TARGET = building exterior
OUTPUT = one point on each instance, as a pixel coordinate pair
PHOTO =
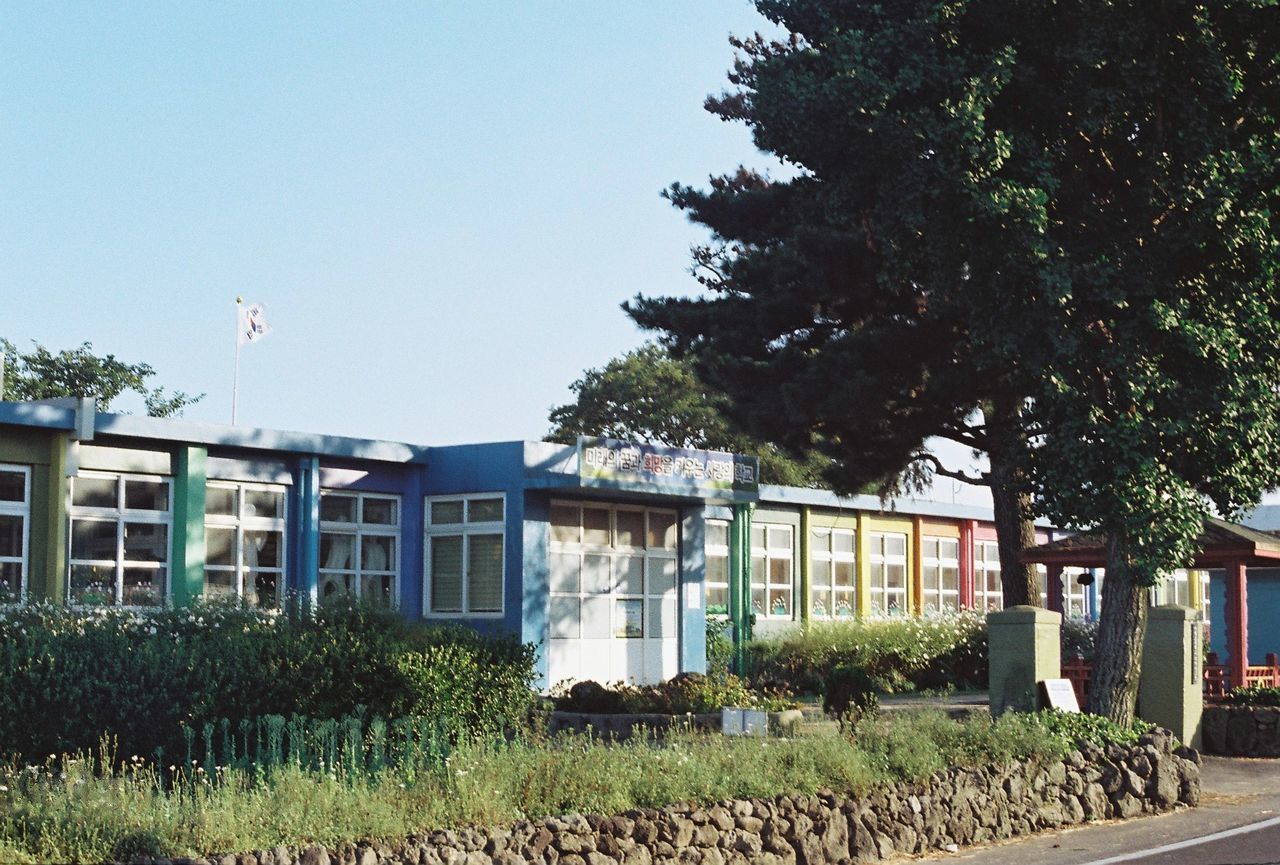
(608, 556)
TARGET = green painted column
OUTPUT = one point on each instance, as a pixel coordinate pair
(740, 584)
(189, 475)
(50, 489)
(803, 601)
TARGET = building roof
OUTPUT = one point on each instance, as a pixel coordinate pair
(1219, 543)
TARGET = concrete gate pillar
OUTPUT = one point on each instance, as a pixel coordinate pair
(1171, 688)
(1024, 649)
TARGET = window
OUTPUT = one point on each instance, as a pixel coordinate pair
(1074, 594)
(888, 573)
(465, 562)
(119, 540)
(772, 558)
(940, 569)
(244, 542)
(832, 576)
(988, 591)
(614, 571)
(15, 519)
(717, 582)
(359, 545)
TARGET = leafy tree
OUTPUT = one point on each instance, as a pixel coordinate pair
(1061, 215)
(42, 374)
(647, 395)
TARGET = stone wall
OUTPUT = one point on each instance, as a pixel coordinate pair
(1241, 731)
(950, 809)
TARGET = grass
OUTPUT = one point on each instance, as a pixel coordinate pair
(89, 808)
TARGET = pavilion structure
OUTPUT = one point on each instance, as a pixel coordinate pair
(1231, 547)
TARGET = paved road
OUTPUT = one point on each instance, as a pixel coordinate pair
(1236, 793)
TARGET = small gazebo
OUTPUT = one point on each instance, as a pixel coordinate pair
(1231, 547)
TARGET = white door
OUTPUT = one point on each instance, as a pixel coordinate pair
(613, 612)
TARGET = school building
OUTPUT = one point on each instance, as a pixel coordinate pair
(609, 556)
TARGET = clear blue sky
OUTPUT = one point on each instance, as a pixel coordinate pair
(442, 204)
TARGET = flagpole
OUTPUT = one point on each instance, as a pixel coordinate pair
(235, 382)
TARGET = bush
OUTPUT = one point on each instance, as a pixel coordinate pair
(1074, 728)
(68, 677)
(898, 654)
(1254, 695)
(684, 694)
(1078, 637)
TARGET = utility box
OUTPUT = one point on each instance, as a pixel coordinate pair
(1024, 651)
(744, 722)
(1171, 687)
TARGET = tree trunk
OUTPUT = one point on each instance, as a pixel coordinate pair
(1117, 662)
(1011, 501)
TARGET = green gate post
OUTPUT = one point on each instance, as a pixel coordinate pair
(740, 585)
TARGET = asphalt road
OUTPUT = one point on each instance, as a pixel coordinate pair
(1235, 794)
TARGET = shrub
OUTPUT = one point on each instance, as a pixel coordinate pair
(898, 654)
(67, 677)
(1073, 728)
(1078, 637)
(1254, 695)
(683, 694)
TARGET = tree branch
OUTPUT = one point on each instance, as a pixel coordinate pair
(982, 480)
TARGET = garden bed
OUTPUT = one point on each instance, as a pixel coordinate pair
(621, 726)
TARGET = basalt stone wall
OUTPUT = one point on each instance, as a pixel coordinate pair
(1241, 731)
(955, 807)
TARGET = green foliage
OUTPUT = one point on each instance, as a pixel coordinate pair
(1073, 728)
(90, 808)
(719, 646)
(1078, 638)
(897, 654)
(139, 678)
(683, 694)
(1254, 695)
(648, 396)
(41, 374)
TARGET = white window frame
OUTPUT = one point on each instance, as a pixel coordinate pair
(120, 516)
(830, 593)
(359, 530)
(20, 509)
(464, 530)
(769, 554)
(932, 564)
(240, 524)
(880, 561)
(717, 551)
(986, 561)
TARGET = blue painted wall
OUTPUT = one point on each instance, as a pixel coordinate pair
(693, 608)
(1264, 614)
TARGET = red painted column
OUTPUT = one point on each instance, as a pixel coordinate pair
(1237, 620)
(1055, 588)
(966, 564)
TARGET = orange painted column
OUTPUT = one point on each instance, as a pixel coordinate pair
(917, 567)
(1237, 620)
(966, 564)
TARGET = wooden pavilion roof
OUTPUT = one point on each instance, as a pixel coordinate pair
(1219, 544)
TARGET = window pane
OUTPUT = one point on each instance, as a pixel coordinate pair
(146, 542)
(219, 583)
(717, 535)
(717, 600)
(780, 572)
(94, 493)
(566, 618)
(662, 576)
(595, 618)
(220, 546)
(93, 539)
(842, 542)
(821, 572)
(895, 576)
(757, 602)
(333, 585)
(779, 538)
(595, 575)
(485, 587)
(143, 587)
(564, 524)
(10, 535)
(565, 568)
(13, 486)
(484, 511)
(844, 574)
(628, 622)
(595, 527)
(895, 545)
(844, 605)
(10, 582)
(631, 575)
(262, 550)
(378, 589)
(93, 585)
(757, 570)
(779, 602)
(146, 496)
(377, 553)
(630, 528)
(446, 513)
(266, 590)
(717, 569)
(950, 579)
(757, 537)
(264, 504)
(220, 501)
(337, 551)
(446, 575)
(818, 605)
(820, 541)
(381, 512)
(662, 531)
(949, 549)
(335, 508)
